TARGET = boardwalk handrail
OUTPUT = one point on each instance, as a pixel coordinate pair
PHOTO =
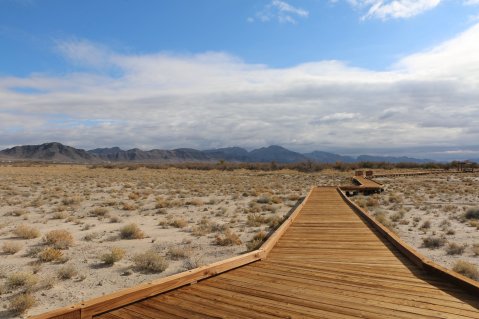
(407, 250)
(92, 307)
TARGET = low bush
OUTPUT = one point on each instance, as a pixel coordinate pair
(472, 213)
(455, 249)
(11, 248)
(433, 242)
(467, 269)
(26, 232)
(59, 239)
(67, 272)
(21, 303)
(150, 262)
(229, 238)
(115, 254)
(22, 280)
(50, 254)
(131, 231)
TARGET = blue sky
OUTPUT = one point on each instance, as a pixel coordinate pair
(214, 73)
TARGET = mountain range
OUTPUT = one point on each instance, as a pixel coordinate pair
(57, 152)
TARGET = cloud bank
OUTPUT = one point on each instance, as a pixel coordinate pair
(213, 99)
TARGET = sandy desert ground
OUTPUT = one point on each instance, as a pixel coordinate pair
(436, 214)
(70, 233)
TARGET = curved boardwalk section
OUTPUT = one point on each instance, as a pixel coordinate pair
(328, 264)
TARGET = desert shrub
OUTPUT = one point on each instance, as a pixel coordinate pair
(205, 227)
(128, 206)
(195, 202)
(74, 200)
(50, 254)
(255, 220)
(21, 280)
(18, 212)
(150, 262)
(256, 241)
(99, 212)
(21, 303)
(229, 238)
(179, 223)
(475, 249)
(472, 213)
(177, 252)
(372, 202)
(397, 216)
(60, 215)
(455, 249)
(134, 196)
(26, 232)
(67, 272)
(11, 248)
(264, 199)
(115, 219)
(467, 269)
(131, 231)
(115, 254)
(433, 242)
(382, 218)
(59, 239)
(192, 263)
(426, 225)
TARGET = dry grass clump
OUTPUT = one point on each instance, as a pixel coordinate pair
(264, 199)
(467, 269)
(26, 232)
(131, 231)
(475, 249)
(21, 303)
(115, 254)
(128, 206)
(99, 212)
(18, 212)
(179, 223)
(11, 248)
(74, 200)
(177, 252)
(433, 242)
(229, 238)
(192, 263)
(22, 280)
(256, 241)
(382, 218)
(205, 226)
(59, 239)
(50, 254)
(60, 215)
(150, 262)
(455, 249)
(472, 213)
(67, 272)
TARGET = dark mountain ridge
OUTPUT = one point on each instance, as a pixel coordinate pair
(57, 152)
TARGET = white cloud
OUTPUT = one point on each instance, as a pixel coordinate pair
(280, 11)
(215, 99)
(471, 2)
(394, 9)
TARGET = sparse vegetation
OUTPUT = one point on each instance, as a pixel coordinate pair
(467, 269)
(131, 231)
(228, 238)
(150, 262)
(433, 242)
(21, 303)
(115, 254)
(11, 248)
(22, 280)
(67, 272)
(472, 213)
(59, 239)
(455, 249)
(26, 232)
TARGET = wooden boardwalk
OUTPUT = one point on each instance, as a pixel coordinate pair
(329, 263)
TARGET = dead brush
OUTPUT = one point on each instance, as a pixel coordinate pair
(21, 303)
(467, 269)
(114, 255)
(177, 252)
(256, 241)
(131, 231)
(26, 232)
(150, 262)
(59, 239)
(11, 248)
(228, 238)
(179, 223)
(23, 280)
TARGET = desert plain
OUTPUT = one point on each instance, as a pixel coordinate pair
(73, 232)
